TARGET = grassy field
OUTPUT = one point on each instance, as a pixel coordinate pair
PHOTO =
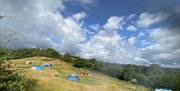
(54, 79)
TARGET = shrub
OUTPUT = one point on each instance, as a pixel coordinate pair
(11, 80)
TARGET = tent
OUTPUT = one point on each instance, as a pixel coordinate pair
(47, 65)
(83, 74)
(73, 77)
(28, 62)
(38, 68)
(157, 89)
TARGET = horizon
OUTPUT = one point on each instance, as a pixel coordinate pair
(140, 32)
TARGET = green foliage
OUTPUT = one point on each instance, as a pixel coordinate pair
(79, 62)
(176, 84)
(21, 53)
(28, 52)
(108, 68)
(128, 73)
(153, 76)
(4, 52)
(51, 53)
(11, 80)
(68, 58)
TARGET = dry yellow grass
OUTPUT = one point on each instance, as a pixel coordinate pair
(47, 81)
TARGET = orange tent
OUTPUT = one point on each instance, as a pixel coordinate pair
(83, 74)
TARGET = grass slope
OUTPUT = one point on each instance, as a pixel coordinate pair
(54, 79)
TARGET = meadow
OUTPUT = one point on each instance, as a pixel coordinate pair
(54, 79)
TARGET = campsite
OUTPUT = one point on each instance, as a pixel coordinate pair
(55, 78)
(89, 45)
(33, 69)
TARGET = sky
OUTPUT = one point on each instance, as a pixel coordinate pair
(140, 32)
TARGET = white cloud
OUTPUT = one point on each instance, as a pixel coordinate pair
(131, 16)
(147, 19)
(132, 41)
(131, 28)
(145, 42)
(141, 35)
(79, 16)
(95, 27)
(38, 23)
(86, 1)
(113, 23)
(165, 49)
(107, 45)
(83, 2)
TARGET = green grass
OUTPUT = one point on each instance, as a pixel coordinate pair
(54, 79)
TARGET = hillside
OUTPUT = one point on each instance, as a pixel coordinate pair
(54, 79)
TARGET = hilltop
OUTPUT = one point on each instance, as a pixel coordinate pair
(54, 79)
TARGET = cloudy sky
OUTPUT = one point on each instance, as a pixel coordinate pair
(138, 32)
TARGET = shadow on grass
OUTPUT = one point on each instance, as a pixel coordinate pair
(31, 85)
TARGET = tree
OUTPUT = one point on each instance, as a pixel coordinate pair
(128, 73)
(51, 53)
(68, 58)
(10, 80)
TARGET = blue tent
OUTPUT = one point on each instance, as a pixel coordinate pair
(47, 65)
(157, 89)
(73, 77)
(39, 68)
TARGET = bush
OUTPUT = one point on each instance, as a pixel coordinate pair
(11, 80)
(79, 64)
(68, 58)
(86, 63)
(51, 53)
(134, 81)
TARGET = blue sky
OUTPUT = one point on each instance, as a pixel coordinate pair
(100, 10)
(140, 32)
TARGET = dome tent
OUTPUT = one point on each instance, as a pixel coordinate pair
(160, 89)
(38, 68)
(73, 77)
(47, 65)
